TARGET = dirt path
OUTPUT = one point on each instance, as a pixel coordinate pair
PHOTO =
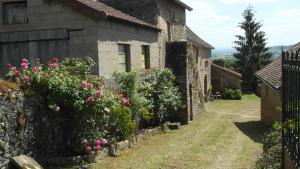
(227, 136)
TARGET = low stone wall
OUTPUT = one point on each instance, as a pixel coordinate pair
(24, 130)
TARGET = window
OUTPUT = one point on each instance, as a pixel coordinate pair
(15, 13)
(206, 64)
(123, 58)
(145, 60)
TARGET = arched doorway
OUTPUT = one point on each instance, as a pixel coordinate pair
(205, 86)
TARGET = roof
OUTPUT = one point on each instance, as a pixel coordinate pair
(194, 38)
(234, 73)
(183, 5)
(295, 48)
(272, 74)
(100, 10)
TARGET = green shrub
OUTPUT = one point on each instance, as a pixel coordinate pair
(158, 86)
(271, 158)
(129, 84)
(232, 94)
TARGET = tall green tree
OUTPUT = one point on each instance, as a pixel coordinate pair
(252, 53)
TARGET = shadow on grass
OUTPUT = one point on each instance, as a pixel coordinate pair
(253, 129)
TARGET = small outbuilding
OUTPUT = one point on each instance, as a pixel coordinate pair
(223, 78)
(270, 91)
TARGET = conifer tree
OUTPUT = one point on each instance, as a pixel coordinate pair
(252, 53)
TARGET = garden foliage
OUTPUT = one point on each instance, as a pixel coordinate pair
(271, 158)
(94, 112)
(232, 94)
(154, 95)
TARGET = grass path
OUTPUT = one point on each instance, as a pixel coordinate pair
(226, 136)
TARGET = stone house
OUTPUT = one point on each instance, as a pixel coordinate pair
(270, 91)
(77, 28)
(223, 78)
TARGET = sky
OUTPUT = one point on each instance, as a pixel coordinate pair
(216, 21)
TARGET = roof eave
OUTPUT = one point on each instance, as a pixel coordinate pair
(135, 23)
(183, 5)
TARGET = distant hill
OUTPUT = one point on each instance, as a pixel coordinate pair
(228, 52)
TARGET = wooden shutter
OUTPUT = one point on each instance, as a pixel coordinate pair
(15, 13)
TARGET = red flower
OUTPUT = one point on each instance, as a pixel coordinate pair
(35, 69)
(90, 100)
(53, 65)
(17, 73)
(55, 60)
(24, 65)
(125, 101)
(26, 78)
(99, 93)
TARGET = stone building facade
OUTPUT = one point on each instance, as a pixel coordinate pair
(168, 15)
(202, 53)
(223, 78)
(270, 91)
(80, 28)
(180, 58)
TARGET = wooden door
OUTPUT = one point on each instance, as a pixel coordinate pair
(43, 44)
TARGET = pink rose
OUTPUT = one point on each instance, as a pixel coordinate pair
(26, 78)
(37, 60)
(85, 142)
(25, 60)
(97, 148)
(57, 108)
(55, 60)
(24, 65)
(124, 101)
(84, 84)
(35, 69)
(98, 142)
(88, 149)
(104, 141)
(89, 85)
(90, 100)
(99, 93)
(17, 73)
(53, 65)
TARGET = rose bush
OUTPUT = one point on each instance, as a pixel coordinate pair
(90, 109)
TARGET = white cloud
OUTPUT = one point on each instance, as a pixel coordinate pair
(290, 13)
(209, 23)
(246, 1)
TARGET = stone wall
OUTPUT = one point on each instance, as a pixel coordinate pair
(270, 102)
(180, 59)
(204, 68)
(26, 130)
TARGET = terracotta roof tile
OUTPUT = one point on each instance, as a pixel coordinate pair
(272, 74)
